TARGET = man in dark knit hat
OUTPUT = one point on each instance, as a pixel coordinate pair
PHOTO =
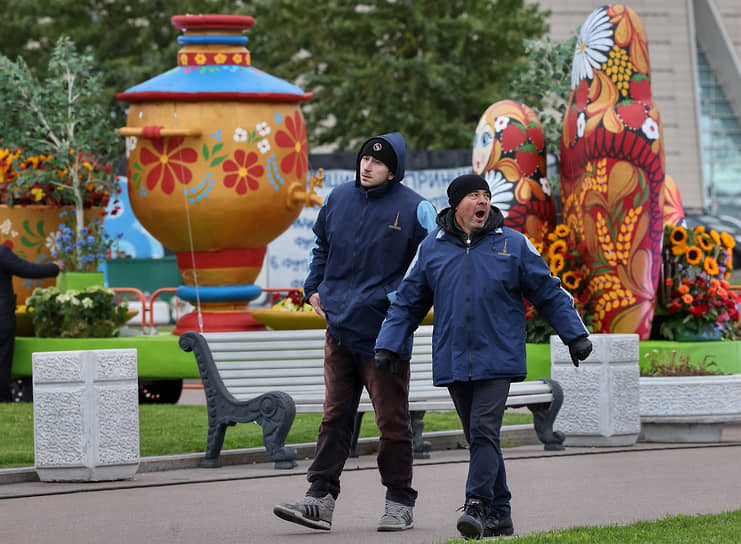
(366, 235)
(475, 271)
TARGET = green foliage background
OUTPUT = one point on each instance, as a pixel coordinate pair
(424, 67)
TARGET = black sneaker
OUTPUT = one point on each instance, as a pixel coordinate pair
(471, 523)
(498, 526)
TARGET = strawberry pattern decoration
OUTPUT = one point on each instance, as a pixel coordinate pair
(509, 151)
(612, 169)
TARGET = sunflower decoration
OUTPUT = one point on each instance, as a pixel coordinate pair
(561, 250)
(695, 298)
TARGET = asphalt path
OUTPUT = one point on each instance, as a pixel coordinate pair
(233, 504)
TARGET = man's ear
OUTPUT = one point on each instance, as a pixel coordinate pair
(391, 176)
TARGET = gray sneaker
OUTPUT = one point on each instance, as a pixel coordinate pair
(309, 511)
(396, 517)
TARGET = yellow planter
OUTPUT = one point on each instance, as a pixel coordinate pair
(31, 232)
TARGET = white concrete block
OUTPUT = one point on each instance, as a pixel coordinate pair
(86, 415)
(601, 396)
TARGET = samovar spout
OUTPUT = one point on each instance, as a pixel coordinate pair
(298, 195)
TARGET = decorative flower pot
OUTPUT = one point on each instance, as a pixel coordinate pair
(217, 163)
(31, 232)
(688, 408)
(79, 280)
(707, 332)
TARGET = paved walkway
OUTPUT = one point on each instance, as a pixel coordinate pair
(233, 504)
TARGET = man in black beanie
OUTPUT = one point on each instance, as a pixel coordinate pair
(475, 271)
(366, 235)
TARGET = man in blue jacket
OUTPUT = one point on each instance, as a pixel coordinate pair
(12, 265)
(366, 235)
(476, 272)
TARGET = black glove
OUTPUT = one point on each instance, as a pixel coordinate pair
(579, 349)
(386, 360)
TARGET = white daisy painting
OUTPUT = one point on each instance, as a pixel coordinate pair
(595, 41)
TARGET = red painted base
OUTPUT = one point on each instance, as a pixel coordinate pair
(218, 322)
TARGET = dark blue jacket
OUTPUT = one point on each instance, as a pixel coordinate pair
(12, 265)
(477, 292)
(364, 242)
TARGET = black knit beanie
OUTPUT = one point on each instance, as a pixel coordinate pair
(380, 149)
(463, 185)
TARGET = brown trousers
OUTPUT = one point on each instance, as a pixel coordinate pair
(345, 374)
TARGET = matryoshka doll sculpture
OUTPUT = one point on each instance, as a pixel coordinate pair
(612, 169)
(217, 162)
(509, 151)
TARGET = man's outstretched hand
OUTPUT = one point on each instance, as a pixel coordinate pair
(386, 360)
(579, 349)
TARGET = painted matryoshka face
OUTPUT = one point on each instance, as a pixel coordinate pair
(483, 143)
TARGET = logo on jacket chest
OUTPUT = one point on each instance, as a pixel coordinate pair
(502, 251)
(395, 224)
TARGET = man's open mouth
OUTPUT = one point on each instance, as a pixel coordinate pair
(480, 214)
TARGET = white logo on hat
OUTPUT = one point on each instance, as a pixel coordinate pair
(377, 146)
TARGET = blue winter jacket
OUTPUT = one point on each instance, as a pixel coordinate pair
(364, 242)
(477, 292)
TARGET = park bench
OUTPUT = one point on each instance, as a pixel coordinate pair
(268, 376)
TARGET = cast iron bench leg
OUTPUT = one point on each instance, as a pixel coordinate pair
(545, 415)
(421, 447)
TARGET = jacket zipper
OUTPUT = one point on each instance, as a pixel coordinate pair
(468, 305)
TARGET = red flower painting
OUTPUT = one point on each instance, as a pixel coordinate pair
(169, 161)
(294, 138)
(243, 172)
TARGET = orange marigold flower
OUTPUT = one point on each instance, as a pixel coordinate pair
(669, 282)
(687, 299)
(683, 289)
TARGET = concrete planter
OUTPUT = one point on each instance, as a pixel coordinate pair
(600, 406)
(86, 415)
(688, 408)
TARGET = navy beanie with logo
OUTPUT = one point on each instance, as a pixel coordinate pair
(463, 185)
(380, 149)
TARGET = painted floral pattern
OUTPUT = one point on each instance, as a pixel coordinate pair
(612, 169)
(167, 159)
(294, 138)
(243, 172)
(509, 151)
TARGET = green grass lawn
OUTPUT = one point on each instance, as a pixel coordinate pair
(718, 529)
(166, 429)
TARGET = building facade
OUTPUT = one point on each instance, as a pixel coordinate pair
(694, 48)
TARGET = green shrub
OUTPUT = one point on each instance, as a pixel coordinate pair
(90, 313)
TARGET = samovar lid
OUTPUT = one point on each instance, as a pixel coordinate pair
(214, 65)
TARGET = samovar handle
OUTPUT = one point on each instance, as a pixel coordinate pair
(156, 132)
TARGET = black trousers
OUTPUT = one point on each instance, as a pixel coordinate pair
(7, 344)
